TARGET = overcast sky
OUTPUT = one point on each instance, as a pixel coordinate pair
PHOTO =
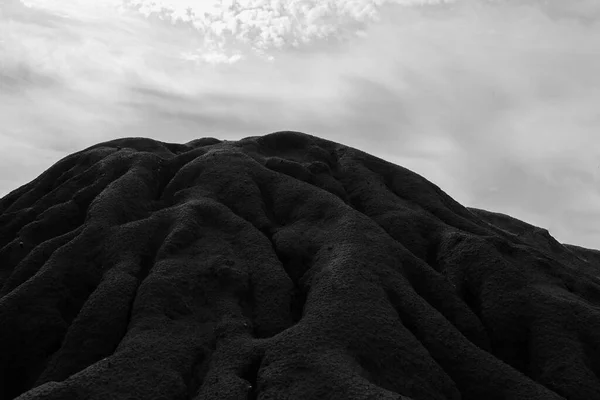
(497, 102)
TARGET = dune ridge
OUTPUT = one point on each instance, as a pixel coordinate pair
(282, 266)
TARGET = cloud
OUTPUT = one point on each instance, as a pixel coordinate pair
(494, 101)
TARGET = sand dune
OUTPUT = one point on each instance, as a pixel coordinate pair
(283, 266)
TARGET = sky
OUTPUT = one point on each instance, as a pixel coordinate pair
(495, 101)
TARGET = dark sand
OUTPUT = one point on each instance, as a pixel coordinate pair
(281, 267)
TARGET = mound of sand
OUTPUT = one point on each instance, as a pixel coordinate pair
(283, 266)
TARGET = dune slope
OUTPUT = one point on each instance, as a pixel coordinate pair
(283, 266)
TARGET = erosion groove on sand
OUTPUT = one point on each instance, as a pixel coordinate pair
(282, 266)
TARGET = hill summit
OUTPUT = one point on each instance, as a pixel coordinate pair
(283, 266)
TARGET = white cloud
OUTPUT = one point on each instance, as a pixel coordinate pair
(265, 24)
